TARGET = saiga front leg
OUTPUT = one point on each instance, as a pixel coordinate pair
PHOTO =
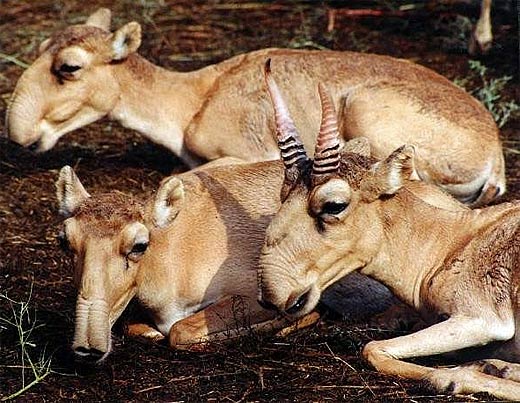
(230, 317)
(450, 335)
(144, 331)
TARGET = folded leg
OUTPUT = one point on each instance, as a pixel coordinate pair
(451, 335)
(226, 319)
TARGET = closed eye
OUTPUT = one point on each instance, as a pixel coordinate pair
(66, 72)
(68, 68)
(136, 252)
(139, 248)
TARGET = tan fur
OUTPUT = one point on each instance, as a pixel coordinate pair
(107, 213)
(197, 279)
(458, 268)
(223, 109)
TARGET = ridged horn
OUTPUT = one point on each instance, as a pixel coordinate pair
(327, 151)
(289, 142)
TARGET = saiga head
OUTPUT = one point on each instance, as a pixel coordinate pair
(110, 236)
(107, 237)
(330, 221)
(71, 83)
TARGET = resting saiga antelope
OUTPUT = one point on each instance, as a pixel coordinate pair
(459, 268)
(189, 255)
(85, 72)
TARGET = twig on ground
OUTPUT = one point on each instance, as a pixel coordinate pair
(14, 60)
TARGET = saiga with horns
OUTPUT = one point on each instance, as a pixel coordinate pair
(459, 268)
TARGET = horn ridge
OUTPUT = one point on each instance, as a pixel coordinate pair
(326, 160)
(286, 142)
(330, 149)
(325, 171)
(291, 162)
(327, 165)
(289, 146)
(293, 153)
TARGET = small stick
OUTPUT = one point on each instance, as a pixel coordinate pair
(14, 60)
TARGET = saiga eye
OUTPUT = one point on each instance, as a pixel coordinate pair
(68, 68)
(139, 248)
(333, 208)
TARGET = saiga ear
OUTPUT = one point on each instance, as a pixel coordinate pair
(100, 18)
(388, 176)
(69, 191)
(126, 40)
(44, 45)
(168, 201)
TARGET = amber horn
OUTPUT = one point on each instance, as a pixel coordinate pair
(289, 142)
(327, 151)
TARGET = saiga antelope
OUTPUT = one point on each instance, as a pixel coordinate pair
(85, 72)
(459, 268)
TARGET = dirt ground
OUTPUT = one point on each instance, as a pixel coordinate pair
(321, 363)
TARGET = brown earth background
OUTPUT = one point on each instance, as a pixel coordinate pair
(321, 363)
